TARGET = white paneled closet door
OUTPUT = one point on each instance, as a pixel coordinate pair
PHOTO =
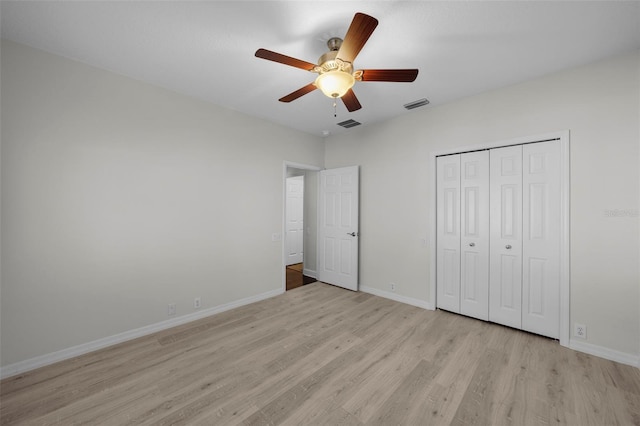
(448, 235)
(474, 230)
(498, 235)
(505, 270)
(541, 238)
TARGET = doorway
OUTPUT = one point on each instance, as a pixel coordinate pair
(294, 220)
(299, 225)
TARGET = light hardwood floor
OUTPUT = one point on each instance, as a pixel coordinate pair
(322, 355)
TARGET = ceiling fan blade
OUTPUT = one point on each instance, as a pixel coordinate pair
(284, 59)
(357, 35)
(300, 92)
(351, 101)
(401, 76)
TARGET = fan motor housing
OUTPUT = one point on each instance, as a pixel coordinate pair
(328, 62)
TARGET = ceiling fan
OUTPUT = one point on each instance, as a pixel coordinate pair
(336, 75)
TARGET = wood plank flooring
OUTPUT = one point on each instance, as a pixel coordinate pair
(295, 276)
(322, 355)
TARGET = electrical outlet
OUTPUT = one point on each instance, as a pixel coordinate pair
(197, 303)
(392, 286)
(580, 330)
(171, 309)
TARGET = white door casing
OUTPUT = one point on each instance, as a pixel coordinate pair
(505, 271)
(541, 238)
(338, 227)
(448, 233)
(474, 231)
(294, 220)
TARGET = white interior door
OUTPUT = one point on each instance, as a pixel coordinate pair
(448, 235)
(294, 219)
(505, 270)
(338, 227)
(541, 239)
(474, 230)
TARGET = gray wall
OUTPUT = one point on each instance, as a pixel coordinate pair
(119, 197)
(599, 105)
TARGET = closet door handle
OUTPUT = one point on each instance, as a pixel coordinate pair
(508, 246)
(472, 244)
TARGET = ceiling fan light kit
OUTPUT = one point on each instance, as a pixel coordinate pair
(336, 76)
(335, 84)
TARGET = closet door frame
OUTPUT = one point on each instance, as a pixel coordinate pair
(561, 137)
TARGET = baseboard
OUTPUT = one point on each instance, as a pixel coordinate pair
(606, 353)
(310, 273)
(398, 298)
(43, 360)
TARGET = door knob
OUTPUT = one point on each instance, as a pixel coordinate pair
(508, 246)
(472, 244)
(353, 234)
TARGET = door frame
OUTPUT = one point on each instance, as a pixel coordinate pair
(283, 248)
(565, 230)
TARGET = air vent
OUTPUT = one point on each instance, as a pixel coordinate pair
(416, 104)
(349, 123)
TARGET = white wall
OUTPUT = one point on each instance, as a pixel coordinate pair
(119, 197)
(599, 104)
(310, 222)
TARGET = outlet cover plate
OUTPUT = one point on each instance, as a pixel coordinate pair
(580, 330)
(171, 309)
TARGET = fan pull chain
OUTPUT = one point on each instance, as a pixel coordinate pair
(335, 112)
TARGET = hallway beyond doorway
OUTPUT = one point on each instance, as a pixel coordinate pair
(295, 277)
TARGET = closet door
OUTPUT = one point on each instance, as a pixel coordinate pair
(448, 235)
(505, 269)
(541, 243)
(474, 230)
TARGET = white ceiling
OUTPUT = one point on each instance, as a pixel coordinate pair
(206, 49)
